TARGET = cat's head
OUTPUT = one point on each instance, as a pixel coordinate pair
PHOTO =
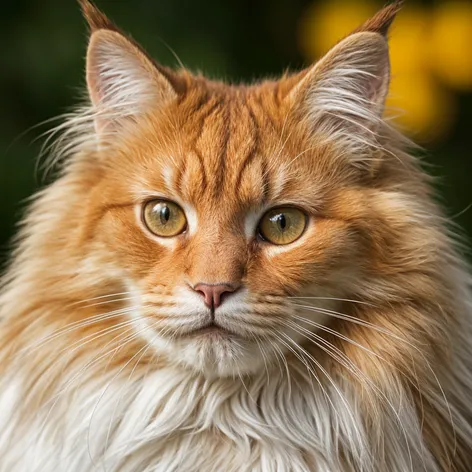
(218, 205)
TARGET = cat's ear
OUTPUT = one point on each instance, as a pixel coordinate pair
(343, 95)
(123, 82)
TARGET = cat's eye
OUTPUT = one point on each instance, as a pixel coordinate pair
(164, 218)
(282, 225)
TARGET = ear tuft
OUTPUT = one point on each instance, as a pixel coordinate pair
(342, 97)
(123, 81)
(380, 23)
(95, 18)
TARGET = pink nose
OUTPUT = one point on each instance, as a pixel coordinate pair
(213, 294)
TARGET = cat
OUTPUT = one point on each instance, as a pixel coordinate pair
(230, 278)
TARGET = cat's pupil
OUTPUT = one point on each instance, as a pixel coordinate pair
(282, 221)
(165, 215)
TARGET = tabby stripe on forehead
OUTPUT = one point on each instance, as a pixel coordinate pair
(210, 106)
(208, 109)
(204, 182)
(252, 152)
(213, 111)
(267, 115)
(266, 187)
(269, 189)
(220, 175)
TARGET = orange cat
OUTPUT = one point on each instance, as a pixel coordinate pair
(235, 278)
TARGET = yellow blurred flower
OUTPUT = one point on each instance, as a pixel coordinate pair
(451, 43)
(430, 56)
(324, 24)
(408, 48)
(420, 106)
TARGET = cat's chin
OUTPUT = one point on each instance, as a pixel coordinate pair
(219, 354)
(214, 353)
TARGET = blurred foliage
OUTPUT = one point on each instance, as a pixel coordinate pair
(238, 40)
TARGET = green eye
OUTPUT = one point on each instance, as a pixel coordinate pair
(164, 218)
(282, 225)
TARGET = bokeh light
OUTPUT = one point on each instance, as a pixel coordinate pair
(430, 56)
(450, 48)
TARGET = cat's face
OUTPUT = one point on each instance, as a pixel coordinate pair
(195, 209)
(218, 204)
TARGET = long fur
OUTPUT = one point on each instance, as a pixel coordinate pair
(352, 346)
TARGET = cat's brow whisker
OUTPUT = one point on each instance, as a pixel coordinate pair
(301, 154)
(273, 163)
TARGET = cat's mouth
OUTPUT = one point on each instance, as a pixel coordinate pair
(211, 329)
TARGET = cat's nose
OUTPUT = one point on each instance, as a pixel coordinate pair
(214, 294)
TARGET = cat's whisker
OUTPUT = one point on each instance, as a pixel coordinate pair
(107, 302)
(311, 373)
(336, 333)
(394, 336)
(261, 349)
(138, 356)
(281, 360)
(333, 299)
(103, 332)
(124, 341)
(362, 377)
(101, 297)
(326, 346)
(123, 337)
(352, 319)
(346, 362)
(304, 354)
(74, 326)
(350, 341)
(52, 402)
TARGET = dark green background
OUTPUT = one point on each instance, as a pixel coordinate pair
(43, 48)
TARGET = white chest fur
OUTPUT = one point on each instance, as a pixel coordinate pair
(169, 421)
